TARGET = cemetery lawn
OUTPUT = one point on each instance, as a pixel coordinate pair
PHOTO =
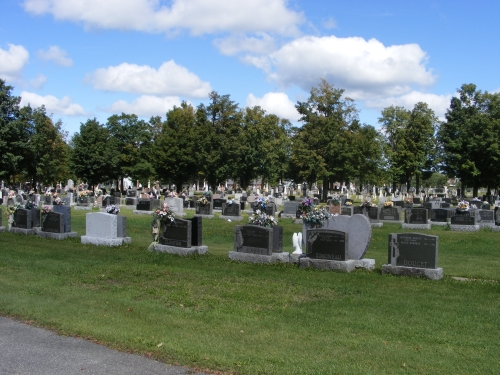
(210, 313)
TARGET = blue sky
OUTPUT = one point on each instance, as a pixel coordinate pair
(94, 58)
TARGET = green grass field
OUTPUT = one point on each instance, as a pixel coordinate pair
(210, 313)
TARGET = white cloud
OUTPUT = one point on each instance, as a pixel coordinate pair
(55, 54)
(169, 80)
(330, 23)
(38, 81)
(276, 103)
(438, 103)
(52, 104)
(197, 16)
(12, 62)
(146, 105)
(262, 44)
(365, 69)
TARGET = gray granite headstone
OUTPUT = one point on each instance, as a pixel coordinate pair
(231, 210)
(486, 218)
(326, 244)
(440, 215)
(290, 208)
(413, 250)
(204, 210)
(104, 225)
(359, 232)
(390, 213)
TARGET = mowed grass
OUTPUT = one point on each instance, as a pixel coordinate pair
(210, 313)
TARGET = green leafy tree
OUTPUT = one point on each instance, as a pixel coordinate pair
(410, 145)
(91, 157)
(175, 151)
(12, 138)
(47, 152)
(469, 138)
(322, 149)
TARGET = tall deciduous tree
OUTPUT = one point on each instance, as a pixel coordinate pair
(469, 138)
(175, 151)
(91, 154)
(12, 139)
(321, 149)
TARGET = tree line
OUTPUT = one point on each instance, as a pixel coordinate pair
(219, 140)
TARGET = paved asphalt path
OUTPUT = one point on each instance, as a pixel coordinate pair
(27, 350)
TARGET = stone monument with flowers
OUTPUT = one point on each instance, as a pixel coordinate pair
(106, 228)
(259, 241)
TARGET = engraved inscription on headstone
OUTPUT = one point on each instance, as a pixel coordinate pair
(177, 233)
(440, 215)
(416, 216)
(217, 203)
(486, 217)
(463, 218)
(53, 222)
(413, 250)
(143, 205)
(326, 244)
(347, 210)
(389, 213)
(253, 239)
(231, 210)
(22, 219)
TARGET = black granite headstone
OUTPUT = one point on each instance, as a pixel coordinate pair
(53, 222)
(486, 216)
(440, 215)
(66, 212)
(35, 217)
(22, 219)
(416, 200)
(413, 250)
(372, 213)
(131, 193)
(444, 205)
(389, 213)
(497, 216)
(177, 233)
(196, 231)
(416, 216)
(130, 201)
(143, 205)
(464, 218)
(253, 239)
(107, 201)
(326, 244)
(218, 202)
(230, 210)
(347, 210)
(204, 210)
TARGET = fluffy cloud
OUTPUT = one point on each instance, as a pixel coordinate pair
(364, 68)
(197, 16)
(169, 80)
(12, 62)
(262, 44)
(62, 106)
(38, 81)
(276, 103)
(438, 103)
(146, 105)
(55, 54)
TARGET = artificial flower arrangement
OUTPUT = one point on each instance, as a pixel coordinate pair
(262, 203)
(408, 200)
(230, 202)
(306, 205)
(83, 193)
(348, 203)
(388, 203)
(172, 194)
(312, 214)
(29, 205)
(58, 201)
(203, 201)
(11, 210)
(163, 216)
(48, 193)
(367, 203)
(335, 200)
(46, 210)
(261, 219)
(206, 194)
(12, 194)
(112, 209)
(463, 206)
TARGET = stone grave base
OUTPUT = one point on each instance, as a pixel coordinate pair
(56, 236)
(82, 207)
(179, 214)
(377, 225)
(27, 232)
(2, 229)
(183, 251)
(141, 212)
(495, 228)
(430, 273)
(288, 216)
(486, 225)
(392, 221)
(294, 258)
(365, 263)
(105, 241)
(232, 218)
(439, 223)
(298, 221)
(257, 258)
(465, 228)
(416, 226)
(205, 216)
(328, 265)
